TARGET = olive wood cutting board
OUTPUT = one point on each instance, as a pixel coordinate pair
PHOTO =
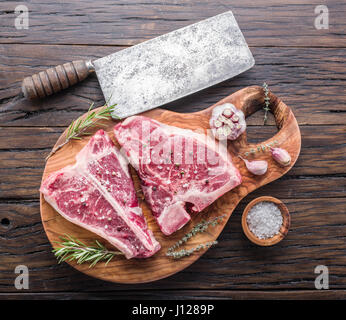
(159, 266)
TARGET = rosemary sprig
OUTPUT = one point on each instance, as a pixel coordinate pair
(266, 102)
(198, 228)
(79, 127)
(74, 249)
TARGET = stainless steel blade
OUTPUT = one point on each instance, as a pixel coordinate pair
(173, 65)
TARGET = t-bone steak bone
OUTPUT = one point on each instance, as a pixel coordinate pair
(181, 171)
(97, 193)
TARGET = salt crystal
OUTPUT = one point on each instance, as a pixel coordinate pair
(264, 220)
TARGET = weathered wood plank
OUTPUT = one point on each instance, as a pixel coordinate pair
(310, 80)
(23, 150)
(264, 23)
(317, 237)
(183, 295)
(297, 75)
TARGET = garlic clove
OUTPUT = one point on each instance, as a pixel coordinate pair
(235, 118)
(256, 167)
(222, 118)
(226, 130)
(229, 122)
(217, 124)
(219, 131)
(227, 112)
(281, 156)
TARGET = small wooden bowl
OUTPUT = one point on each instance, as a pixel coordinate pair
(283, 230)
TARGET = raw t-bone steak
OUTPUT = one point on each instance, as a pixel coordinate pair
(181, 171)
(97, 193)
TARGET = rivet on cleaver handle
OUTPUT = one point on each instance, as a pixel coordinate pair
(55, 79)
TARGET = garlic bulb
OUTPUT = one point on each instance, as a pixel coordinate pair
(281, 156)
(227, 122)
(256, 167)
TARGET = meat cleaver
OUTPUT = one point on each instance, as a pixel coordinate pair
(159, 70)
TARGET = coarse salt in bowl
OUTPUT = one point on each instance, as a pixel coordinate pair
(265, 221)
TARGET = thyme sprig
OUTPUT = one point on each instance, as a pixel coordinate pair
(80, 126)
(261, 148)
(198, 228)
(266, 102)
(187, 252)
(71, 249)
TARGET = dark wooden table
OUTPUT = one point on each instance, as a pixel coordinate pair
(302, 65)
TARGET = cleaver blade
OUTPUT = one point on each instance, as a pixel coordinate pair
(174, 65)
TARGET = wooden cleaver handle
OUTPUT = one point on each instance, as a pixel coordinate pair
(55, 79)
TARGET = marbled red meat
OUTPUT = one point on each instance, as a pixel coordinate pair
(97, 193)
(181, 171)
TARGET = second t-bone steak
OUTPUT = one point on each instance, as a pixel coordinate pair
(97, 193)
(181, 171)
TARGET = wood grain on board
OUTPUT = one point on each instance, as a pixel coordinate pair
(159, 266)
